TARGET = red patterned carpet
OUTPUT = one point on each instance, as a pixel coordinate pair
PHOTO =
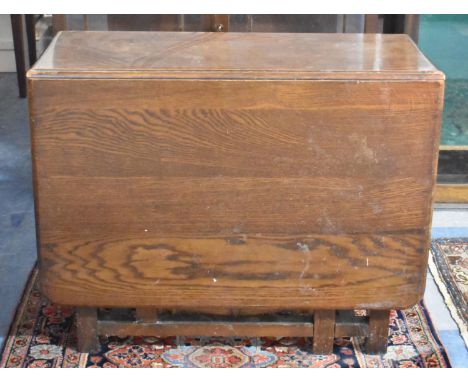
(43, 335)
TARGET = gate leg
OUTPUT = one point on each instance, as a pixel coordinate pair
(324, 331)
(378, 332)
(86, 323)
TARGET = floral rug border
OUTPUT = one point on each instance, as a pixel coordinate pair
(438, 270)
(426, 342)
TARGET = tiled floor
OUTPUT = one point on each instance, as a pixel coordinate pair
(17, 234)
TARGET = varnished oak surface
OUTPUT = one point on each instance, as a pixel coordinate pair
(236, 194)
(237, 272)
(233, 55)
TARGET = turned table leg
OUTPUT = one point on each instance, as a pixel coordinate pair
(86, 323)
(378, 331)
(324, 331)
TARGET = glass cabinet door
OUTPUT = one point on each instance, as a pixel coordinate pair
(444, 40)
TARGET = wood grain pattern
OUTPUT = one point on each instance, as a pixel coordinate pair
(351, 271)
(233, 194)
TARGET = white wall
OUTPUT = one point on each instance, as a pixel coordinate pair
(7, 55)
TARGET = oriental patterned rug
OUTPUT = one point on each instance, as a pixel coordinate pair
(44, 335)
(449, 267)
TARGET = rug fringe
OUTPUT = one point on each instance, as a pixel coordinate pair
(448, 299)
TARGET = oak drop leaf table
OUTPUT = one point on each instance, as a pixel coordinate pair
(274, 183)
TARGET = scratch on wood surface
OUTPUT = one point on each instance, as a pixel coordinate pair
(306, 267)
(303, 247)
(376, 208)
(363, 151)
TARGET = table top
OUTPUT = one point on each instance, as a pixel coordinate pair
(250, 56)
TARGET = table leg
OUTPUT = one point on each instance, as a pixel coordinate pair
(324, 331)
(86, 323)
(378, 332)
(17, 27)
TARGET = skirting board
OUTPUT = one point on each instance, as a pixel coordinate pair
(451, 193)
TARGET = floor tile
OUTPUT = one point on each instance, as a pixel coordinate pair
(437, 308)
(455, 347)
